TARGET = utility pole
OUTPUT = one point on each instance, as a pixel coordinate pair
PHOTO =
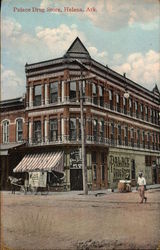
(84, 167)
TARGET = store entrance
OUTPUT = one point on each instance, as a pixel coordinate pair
(76, 179)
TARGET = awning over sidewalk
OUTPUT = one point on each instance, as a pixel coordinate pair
(47, 161)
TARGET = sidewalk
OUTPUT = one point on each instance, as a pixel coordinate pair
(95, 192)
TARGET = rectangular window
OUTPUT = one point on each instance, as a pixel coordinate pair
(138, 138)
(94, 158)
(125, 105)
(53, 130)
(136, 109)
(148, 160)
(72, 91)
(111, 99)
(142, 117)
(126, 136)
(132, 137)
(72, 129)
(37, 95)
(118, 102)
(5, 131)
(148, 140)
(95, 130)
(146, 113)
(94, 93)
(101, 95)
(19, 130)
(112, 133)
(54, 92)
(101, 130)
(37, 131)
(131, 107)
(119, 135)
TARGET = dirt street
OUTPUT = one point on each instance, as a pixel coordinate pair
(74, 221)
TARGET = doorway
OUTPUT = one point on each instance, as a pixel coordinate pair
(76, 180)
(154, 175)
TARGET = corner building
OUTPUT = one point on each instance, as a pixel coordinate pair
(121, 120)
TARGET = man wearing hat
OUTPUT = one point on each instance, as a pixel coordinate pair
(141, 187)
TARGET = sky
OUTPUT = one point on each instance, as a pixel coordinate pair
(123, 34)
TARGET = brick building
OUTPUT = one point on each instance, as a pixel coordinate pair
(121, 119)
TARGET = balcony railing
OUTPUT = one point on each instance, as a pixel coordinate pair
(94, 140)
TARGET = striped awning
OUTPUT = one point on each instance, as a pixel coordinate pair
(41, 162)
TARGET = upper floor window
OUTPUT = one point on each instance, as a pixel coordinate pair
(136, 109)
(37, 95)
(141, 110)
(118, 102)
(53, 130)
(148, 139)
(156, 116)
(146, 113)
(138, 138)
(119, 134)
(19, 130)
(5, 131)
(126, 136)
(94, 93)
(72, 129)
(53, 92)
(125, 105)
(72, 91)
(112, 133)
(37, 131)
(101, 130)
(132, 137)
(143, 139)
(95, 129)
(111, 99)
(94, 158)
(101, 95)
(131, 106)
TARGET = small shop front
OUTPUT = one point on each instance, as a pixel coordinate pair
(126, 164)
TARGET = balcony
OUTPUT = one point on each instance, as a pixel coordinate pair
(91, 140)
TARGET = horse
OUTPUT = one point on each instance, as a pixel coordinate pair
(14, 182)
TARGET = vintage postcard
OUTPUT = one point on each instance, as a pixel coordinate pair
(80, 124)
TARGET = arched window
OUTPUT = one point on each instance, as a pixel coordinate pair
(5, 131)
(19, 130)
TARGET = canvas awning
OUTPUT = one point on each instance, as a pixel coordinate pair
(47, 161)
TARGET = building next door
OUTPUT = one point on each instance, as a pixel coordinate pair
(76, 180)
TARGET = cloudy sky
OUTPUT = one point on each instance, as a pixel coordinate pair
(124, 34)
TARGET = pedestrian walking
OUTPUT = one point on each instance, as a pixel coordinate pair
(141, 187)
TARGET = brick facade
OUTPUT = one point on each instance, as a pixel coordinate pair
(111, 121)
